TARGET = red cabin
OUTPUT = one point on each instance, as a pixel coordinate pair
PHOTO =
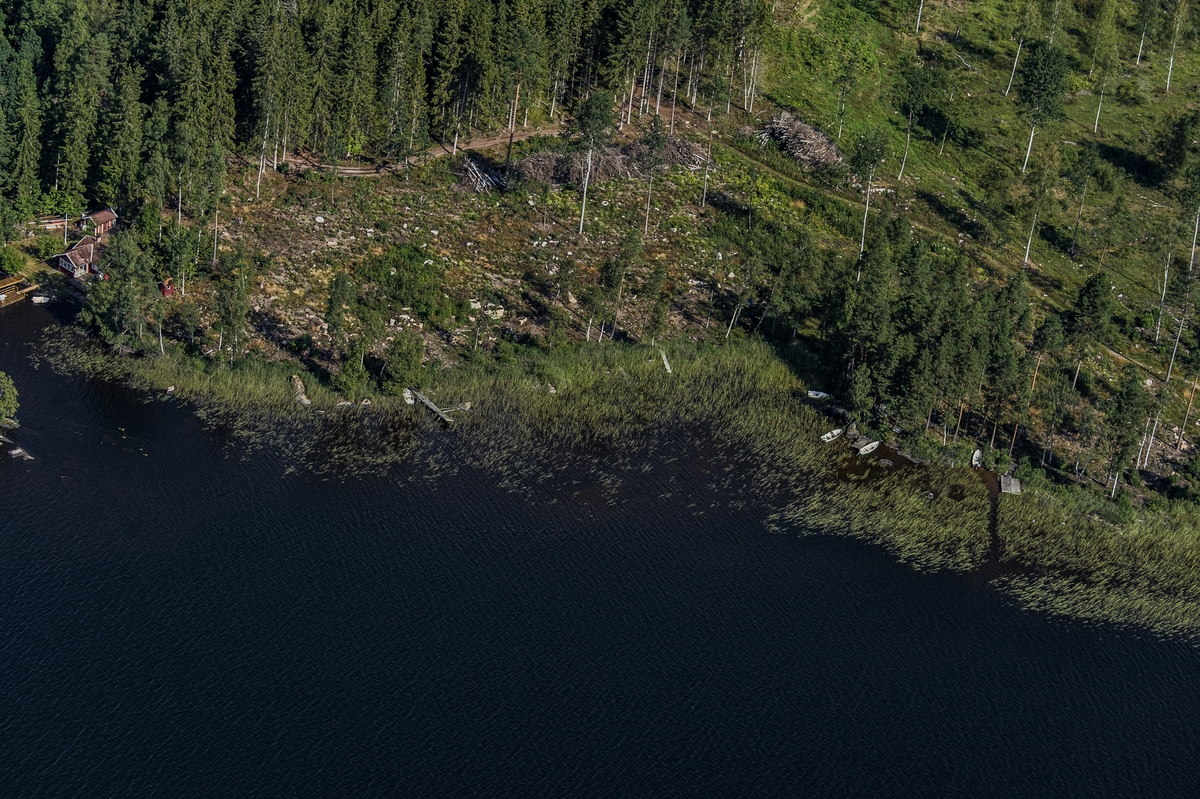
(81, 259)
(102, 221)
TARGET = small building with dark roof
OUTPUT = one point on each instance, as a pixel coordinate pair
(82, 259)
(101, 221)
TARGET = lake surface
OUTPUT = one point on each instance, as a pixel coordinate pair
(176, 620)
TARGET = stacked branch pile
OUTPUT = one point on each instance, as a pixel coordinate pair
(801, 141)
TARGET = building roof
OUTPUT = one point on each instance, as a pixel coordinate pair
(100, 217)
(85, 253)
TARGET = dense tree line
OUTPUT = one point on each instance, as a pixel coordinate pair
(144, 100)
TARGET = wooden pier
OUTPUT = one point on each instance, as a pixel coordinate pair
(13, 289)
(428, 403)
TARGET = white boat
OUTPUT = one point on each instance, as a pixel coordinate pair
(39, 299)
(832, 434)
(868, 448)
(818, 395)
(977, 459)
(408, 397)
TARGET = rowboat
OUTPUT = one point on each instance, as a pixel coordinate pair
(818, 395)
(868, 448)
(832, 434)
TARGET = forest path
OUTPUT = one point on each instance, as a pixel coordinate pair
(301, 160)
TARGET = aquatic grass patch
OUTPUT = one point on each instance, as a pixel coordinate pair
(1142, 573)
(933, 518)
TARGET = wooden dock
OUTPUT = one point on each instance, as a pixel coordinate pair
(13, 289)
(428, 403)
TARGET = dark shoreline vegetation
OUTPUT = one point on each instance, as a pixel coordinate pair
(1055, 549)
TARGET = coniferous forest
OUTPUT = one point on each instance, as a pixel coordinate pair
(117, 102)
(974, 225)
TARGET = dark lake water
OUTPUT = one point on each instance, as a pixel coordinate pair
(175, 621)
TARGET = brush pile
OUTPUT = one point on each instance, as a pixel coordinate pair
(609, 163)
(479, 177)
(801, 141)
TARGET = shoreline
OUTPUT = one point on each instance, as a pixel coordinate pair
(617, 399)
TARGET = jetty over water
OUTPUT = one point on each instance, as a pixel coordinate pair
(13, 289)
(428, 403)
(1009, 485)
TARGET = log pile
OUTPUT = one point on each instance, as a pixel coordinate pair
(801, 141)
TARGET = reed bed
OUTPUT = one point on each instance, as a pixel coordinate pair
(933, 518)
(1142, 573)
(614, 407)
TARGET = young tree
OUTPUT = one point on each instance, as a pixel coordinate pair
(1179, 25)
(1147, 19)
(1027, 25)
(8, 397)
(405, 354)
(591, 131)
(1039, 184)
(853, 54)
(614, 271)
(916, 88)
(1092, 313)
(1104, 52)
(233, 305)
(1129, 406)
(654, 140)
(1081, 174)
(868, 154)
(1040, 92)
(342, 293)
(995, 193)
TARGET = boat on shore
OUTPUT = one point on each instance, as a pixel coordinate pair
(832, 435)
(818, 395)
(867, 448)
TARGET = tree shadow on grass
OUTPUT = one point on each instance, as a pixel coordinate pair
(1059, 238)
(964, 45)
(953, 216)
(1044, 283)
(1142, 169)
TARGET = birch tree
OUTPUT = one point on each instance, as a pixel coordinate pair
(1147, 20)
(869, 152)
(591, 130)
